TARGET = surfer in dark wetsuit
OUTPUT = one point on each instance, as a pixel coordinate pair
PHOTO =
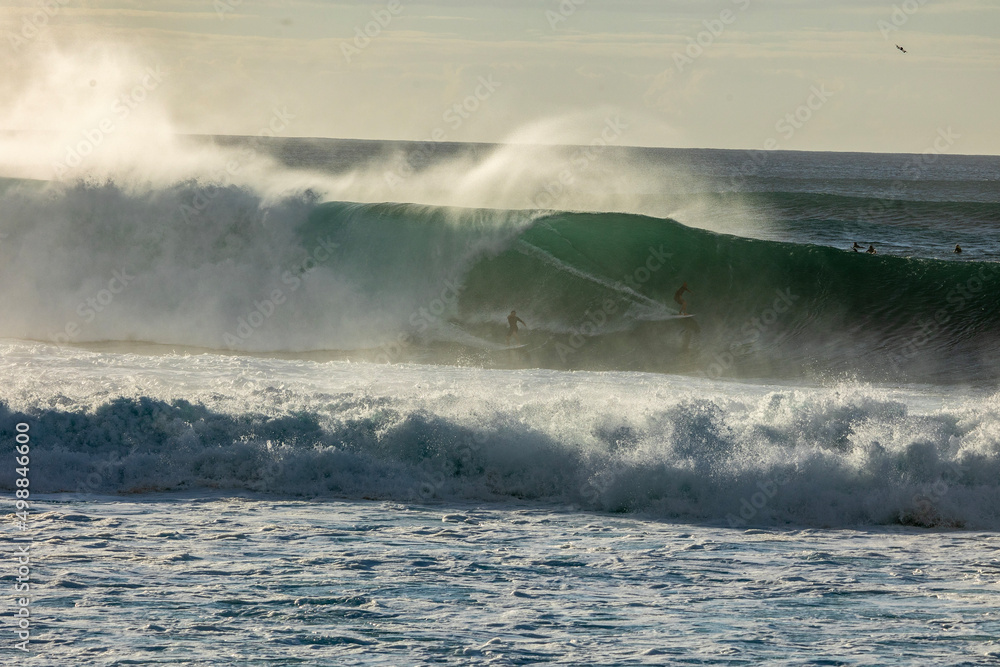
(512, 321)
(679, 298)
(856, 247)
(958, 248)
(871, 250)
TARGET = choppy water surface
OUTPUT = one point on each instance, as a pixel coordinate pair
(217, 581)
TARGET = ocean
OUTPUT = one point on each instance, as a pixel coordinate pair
(261, 408)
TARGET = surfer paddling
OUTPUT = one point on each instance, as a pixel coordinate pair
(679, 298)
(512, 321)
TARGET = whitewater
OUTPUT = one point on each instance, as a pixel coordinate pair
(272, 416)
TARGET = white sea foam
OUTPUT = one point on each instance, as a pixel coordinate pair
(661, 445)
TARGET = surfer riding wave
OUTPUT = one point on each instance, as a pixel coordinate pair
(679, 298)
(512, 321)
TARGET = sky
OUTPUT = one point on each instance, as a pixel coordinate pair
(788, 74)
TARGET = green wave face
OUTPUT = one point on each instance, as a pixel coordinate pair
(223, 268)
(597, 291)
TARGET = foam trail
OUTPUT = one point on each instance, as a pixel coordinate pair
(610, 285)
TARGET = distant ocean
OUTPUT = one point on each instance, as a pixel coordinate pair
(278, 422)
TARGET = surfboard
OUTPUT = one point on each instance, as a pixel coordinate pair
(516, 347)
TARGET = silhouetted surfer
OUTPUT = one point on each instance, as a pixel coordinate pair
(679, 298)
(958, 248)
(857, 246)
(871, 250)
(512, 320)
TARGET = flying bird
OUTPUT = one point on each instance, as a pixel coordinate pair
(901, 48)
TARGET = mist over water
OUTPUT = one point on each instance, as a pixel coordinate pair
(119, 229)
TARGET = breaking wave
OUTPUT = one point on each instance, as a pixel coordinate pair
(848, 456)
(223, 268)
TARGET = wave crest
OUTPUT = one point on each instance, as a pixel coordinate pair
(221, 267)
(818, 458)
